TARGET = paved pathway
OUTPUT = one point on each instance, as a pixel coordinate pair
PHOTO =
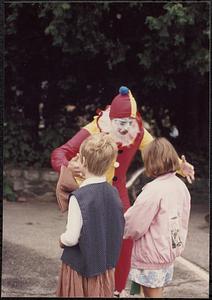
(30, 260)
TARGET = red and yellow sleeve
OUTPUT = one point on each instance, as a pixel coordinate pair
(147, 138)
(61, 155)
(92, 127)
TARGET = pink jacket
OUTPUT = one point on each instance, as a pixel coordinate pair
(158, 222)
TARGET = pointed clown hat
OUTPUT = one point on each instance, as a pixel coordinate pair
(123, 105)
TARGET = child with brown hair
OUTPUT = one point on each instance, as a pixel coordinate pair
(93, 237)
(158, 220)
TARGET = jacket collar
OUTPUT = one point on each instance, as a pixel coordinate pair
(165, 176)
(92, 180)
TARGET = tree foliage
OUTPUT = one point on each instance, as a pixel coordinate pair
(85, 51)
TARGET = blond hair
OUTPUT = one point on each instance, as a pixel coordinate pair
(99, 151)
(160, 158)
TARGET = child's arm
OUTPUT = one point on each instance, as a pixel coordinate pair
(74, 224)
(139, 216)
(185, 216)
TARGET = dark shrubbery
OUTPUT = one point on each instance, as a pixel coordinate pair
(83, 52)
(24, 149)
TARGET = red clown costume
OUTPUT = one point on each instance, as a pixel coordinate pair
(134, 137)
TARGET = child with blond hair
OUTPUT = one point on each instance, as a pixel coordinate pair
(158, 220)
(95, 226)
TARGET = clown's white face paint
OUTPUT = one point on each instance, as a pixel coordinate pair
(123, 130)
(122, 125)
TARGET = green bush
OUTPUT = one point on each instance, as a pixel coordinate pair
(24, 147)
(54, 136)
(8, 192)
(18, 141)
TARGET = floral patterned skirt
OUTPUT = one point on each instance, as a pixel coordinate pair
(152, 278)
(72, 284)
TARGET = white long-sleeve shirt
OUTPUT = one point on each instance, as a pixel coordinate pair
(74, 223)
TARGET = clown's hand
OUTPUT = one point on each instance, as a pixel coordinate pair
(187, 169)
(74, 166)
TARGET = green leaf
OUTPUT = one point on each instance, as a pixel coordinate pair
(164, 32)
(66, 6)
(11, 18)
(8, 192)
(179, 39)
(144, 59)
(153, 23)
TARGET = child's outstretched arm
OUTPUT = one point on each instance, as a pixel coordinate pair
(139, 216)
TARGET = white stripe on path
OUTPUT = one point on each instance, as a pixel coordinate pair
(194, 268)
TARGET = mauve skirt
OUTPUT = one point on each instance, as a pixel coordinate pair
(72, 284)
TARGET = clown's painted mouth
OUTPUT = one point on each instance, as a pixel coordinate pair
(123, 132)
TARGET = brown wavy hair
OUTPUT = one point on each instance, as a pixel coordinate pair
(99, 151)
(160, 158)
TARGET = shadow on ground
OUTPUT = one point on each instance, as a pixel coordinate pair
(28, 273)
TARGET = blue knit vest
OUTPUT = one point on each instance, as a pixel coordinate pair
(102, 231)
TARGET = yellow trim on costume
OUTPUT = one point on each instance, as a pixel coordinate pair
(147, 138)
(133, 105)
(79, 180)
(110, 174)
(92, 127)
(180, 171)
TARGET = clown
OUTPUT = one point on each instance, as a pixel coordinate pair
(122, 120)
